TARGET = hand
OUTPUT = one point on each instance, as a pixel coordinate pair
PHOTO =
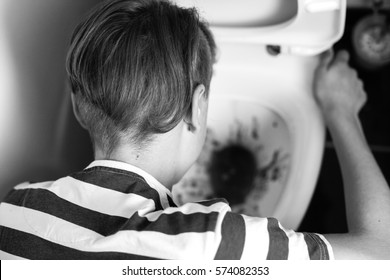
(337, 88)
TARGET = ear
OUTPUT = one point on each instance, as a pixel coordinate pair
(199, 108)
(76, 111)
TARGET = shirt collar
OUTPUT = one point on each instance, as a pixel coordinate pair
(152, 182)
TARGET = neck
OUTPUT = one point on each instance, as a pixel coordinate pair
(159, 158)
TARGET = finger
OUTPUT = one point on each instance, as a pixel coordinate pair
(354, 73)
(364, 94)
(361, 86)
(362, 97)
(342, 56)
(326, 58)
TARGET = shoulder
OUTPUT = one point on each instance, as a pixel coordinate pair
(21, 190)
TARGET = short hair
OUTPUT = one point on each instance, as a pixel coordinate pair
(133, 66)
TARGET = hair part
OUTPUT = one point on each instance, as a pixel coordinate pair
(133, 66)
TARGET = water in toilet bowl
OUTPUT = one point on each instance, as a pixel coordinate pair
(245, 159)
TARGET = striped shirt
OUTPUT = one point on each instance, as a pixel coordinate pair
(112, 210)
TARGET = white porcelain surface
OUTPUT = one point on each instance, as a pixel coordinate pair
(236, 121)
(249, 83)
(244, 13)
(300, 27)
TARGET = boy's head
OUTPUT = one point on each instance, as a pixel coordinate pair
(134, 66)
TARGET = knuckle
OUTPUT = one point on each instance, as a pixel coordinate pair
(352, 72)
(363, 95)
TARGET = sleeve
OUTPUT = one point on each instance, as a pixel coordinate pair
(254, 238)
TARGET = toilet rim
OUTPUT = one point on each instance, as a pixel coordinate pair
(239, 77)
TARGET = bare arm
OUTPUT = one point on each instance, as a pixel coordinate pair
(340, 94)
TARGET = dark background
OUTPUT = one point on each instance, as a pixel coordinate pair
(326, 212)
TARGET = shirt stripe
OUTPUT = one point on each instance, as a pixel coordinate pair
(8, 256)
(144, 243)
(297, 247)
(55, 250)
(233, 238)
(316, 247)
(150, 180)
(104, 200)
(278, 241)
(119, 180)
(171, 202)
(213, 202)
(328, 247)
(173, 222)
(46, 202)
(256, 238)
(190, 208)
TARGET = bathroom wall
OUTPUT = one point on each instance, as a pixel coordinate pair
(34, 37)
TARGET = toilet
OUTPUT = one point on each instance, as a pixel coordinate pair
(266, 135)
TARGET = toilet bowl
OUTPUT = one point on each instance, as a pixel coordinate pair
(266, 136)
